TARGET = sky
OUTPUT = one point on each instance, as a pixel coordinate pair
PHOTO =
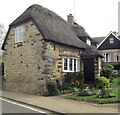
(98, 17)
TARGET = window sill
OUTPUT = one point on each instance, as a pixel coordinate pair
(18, 42)
(69, 71)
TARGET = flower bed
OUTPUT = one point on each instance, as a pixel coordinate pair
(85, 92)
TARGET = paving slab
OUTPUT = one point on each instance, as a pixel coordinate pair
(60, 104)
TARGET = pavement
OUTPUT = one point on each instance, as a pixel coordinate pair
(60, 104)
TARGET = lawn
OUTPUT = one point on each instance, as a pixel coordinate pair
(93, 98)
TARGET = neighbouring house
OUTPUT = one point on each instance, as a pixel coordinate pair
(109, 46)
(40, 47)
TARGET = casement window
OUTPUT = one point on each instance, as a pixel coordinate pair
(19, 34)
(107, 57)
(116, 56)
(111, 40)
(65, 61)
(70, 64)
(88, 42)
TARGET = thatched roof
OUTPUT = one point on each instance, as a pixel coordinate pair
(51, 26)
(54, 28)
(91, 51)
(79, 30)
(81, 33)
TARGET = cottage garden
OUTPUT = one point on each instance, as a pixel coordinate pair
(104, 89)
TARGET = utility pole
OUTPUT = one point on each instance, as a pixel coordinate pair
(74, 10)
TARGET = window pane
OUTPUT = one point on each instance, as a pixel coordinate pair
(111, 40)
(19, 34)
(108, 58)
(75, 65)
(115, 57)
(65, 64)
(70, 64)
(88, 42)
(104, 57)
(118, 56)
(78, 65)
(16, 34)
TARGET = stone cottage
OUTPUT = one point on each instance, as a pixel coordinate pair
(39, 46)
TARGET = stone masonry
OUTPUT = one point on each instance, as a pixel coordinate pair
(33, 62)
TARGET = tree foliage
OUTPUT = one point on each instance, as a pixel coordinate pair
(2, 37)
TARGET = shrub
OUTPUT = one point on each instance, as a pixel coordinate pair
(66, 87)
(100, 82)
(116, 66)
(107, 71)
(52, 89)
(73, 77)
(118, 73)
(109, 66)
(111, 79)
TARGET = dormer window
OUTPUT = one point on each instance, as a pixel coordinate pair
(88, 42)
(19, 34)
(111, 40)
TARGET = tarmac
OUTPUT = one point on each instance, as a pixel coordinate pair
(60, 104)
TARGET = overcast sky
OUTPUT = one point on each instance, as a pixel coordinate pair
(98, 17)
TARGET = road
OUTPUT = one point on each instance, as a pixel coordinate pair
(14, 107)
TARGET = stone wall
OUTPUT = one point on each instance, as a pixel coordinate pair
(33, 62)
(112, 56)
(54, 52)
(21, 63)
(97, 61)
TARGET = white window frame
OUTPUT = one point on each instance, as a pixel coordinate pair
(68, 64)
(109, 58)
(111, 40)
(115, 54)
(88, 42)
(19, 34)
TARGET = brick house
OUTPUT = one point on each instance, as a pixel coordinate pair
(40, 46)
(109, 46)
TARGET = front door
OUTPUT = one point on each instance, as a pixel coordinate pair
(89, 71)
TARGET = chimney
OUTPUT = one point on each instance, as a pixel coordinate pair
(70, 19)
(116, 33)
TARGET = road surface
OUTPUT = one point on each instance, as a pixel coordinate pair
(14, 107)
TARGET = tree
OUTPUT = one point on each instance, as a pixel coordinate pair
(2, 37)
